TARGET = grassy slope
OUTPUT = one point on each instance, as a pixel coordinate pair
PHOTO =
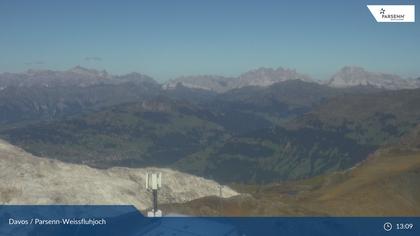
(383, 185)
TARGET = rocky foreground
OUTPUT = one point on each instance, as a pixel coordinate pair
(27, 179)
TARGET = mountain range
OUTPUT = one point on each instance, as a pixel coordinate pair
(291, 144)
(47, 95)
(77, 76)
(285, 127)
(262, 77)
(348, 76)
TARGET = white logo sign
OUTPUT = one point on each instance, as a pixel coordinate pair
(393, 13)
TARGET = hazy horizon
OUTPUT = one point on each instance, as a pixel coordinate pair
(213, 74)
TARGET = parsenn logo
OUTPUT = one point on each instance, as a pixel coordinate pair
(382, 11)
(393, 13)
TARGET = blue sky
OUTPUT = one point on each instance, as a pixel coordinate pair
(166, 39)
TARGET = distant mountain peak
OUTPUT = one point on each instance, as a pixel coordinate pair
(279, 73)
(267, 76)
(76, 76)
(261, 77)
(351, 76)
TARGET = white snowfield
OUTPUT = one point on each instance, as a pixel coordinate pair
(27, 179)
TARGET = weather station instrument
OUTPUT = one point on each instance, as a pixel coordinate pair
(153, 184)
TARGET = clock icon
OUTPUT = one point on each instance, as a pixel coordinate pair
(387, 226)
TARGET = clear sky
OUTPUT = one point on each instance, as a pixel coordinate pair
(168, 38)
